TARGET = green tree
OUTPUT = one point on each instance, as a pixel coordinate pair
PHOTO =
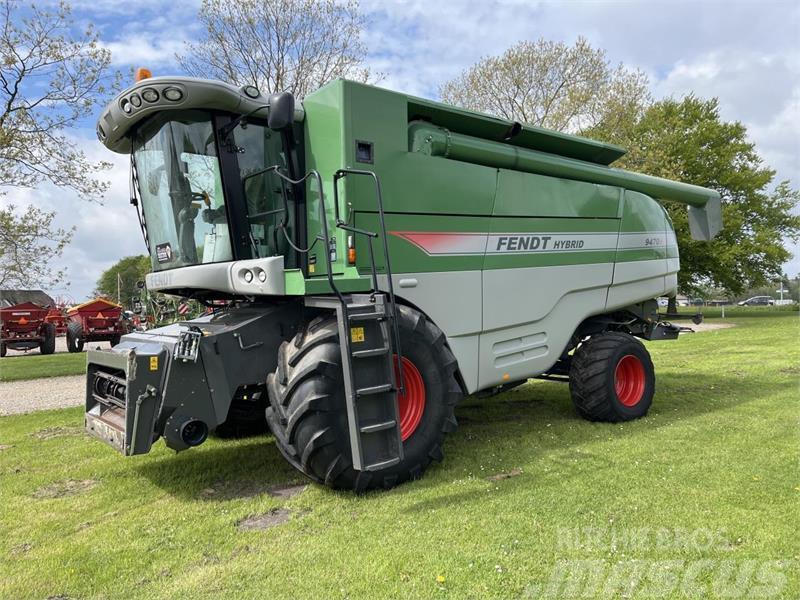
(123, 277)
(550, 84)
(278, 45)
(686, 140)
(50, 78)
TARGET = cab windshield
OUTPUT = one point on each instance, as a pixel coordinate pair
(179, 182)
(178, 171)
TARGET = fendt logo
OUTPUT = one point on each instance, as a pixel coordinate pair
(523, 242)
(513, 243)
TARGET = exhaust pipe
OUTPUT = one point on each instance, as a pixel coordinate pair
(184, 432)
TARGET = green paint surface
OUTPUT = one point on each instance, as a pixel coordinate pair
(423, 193)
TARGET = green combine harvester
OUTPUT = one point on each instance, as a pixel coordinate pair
(369, 258)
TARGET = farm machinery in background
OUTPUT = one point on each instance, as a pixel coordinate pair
(29, 319)
(97, 320)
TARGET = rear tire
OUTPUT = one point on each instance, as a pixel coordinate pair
(245, 418)
(115, 340)
(48, 343)
(612, 378)
(74, 335)
(3, 350)
(307, 411)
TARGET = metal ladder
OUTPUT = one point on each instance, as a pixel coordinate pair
(370, 347)
(370, 383)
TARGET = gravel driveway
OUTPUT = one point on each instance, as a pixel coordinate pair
(61, 346)
(17, 397)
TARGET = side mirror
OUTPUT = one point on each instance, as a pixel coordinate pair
(281, 111)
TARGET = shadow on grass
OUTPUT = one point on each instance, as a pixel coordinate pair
(223, 470)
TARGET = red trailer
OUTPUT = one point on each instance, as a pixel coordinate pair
(58, 317)
(97, 320)
(24, 326)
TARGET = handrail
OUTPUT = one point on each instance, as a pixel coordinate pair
(341, 174)
(323, 218)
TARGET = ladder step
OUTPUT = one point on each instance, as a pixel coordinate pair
(371, 352)
(378, 426)
(376, 389)
(382, 465)
(371, 316)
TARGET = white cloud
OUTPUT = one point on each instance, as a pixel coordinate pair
(144, 50)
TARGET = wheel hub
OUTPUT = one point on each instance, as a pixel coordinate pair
(411, 403)
(629, 380)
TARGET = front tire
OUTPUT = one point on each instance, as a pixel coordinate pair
(74, 335)
(245, 418)
(612, 378)
(307, 411)
(48, 343)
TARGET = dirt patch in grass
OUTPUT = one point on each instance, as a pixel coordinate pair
(242, 489)
(508, 475)
(68, 487)
(49, 433)
(233, 489)
(288, 490)
(21, 548)
(5, 447)
(273, 518)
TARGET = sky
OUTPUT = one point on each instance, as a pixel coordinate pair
(746, 53)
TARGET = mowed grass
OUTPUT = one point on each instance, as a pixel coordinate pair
(34, 366)
(713, 470)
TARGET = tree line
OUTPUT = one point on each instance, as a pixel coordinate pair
(51, 77)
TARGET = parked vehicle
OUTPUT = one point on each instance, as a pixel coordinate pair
(97, 320)
(58, 317)
(25, 327)
(378, 256)
(24, 321)
(758, 301)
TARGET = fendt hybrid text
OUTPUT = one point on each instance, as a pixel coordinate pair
(368, 259)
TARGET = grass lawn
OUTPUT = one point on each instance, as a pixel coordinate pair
(14, 368)
(701, 498)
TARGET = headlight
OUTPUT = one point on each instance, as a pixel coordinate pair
(248, 276)
(150, 95)
(251, 91)
(136, 100)
(173, 94)
(262, 276)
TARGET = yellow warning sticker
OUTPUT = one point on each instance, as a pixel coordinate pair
(154, 363)
(357, 334)
(312, 268)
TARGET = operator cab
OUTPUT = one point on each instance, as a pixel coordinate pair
(203, 170)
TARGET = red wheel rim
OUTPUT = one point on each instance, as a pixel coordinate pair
(411, 402)
(629, 380)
